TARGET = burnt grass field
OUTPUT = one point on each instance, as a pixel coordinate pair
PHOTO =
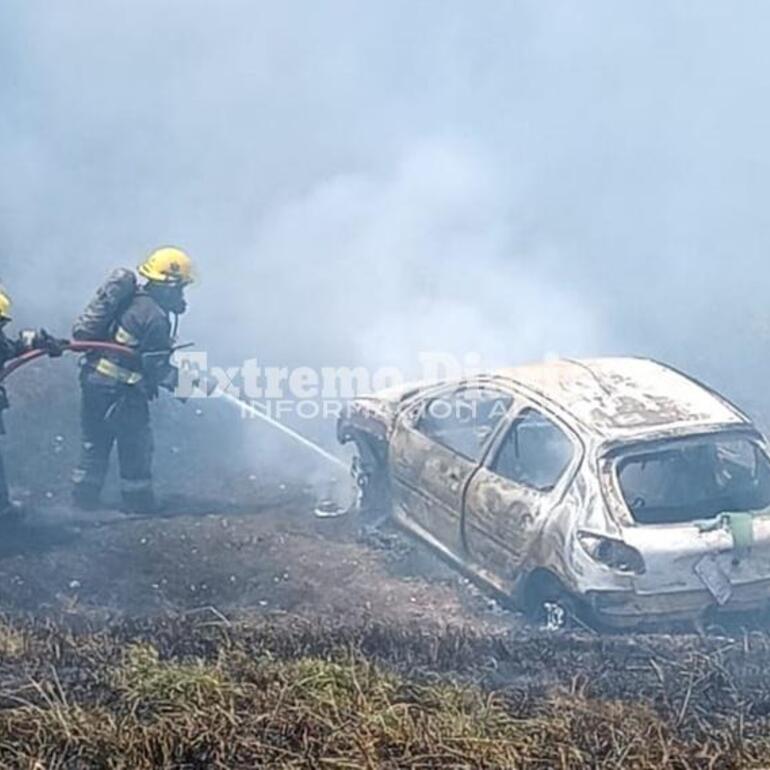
(212, 692)
(260, 636)
(240, 631)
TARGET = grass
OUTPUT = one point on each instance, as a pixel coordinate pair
(176, 693)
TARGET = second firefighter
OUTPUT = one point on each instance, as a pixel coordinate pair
(117, 389)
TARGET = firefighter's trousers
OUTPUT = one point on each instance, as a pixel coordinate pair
(114, 415)
(5, 499)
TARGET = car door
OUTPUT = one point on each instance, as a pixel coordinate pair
(436, 447)
(508, 497)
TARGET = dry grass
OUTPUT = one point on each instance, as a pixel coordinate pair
(183, 694)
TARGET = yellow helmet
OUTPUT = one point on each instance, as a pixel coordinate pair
(168, 265)
(5, 305)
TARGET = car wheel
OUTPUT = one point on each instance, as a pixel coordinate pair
(547, 603)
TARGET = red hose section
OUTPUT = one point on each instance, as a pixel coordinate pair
(75, 347)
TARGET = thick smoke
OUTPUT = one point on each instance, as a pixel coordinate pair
(364, 181)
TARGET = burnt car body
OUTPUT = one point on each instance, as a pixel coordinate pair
(619, 485)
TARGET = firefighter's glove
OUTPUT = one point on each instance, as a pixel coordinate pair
(42, 340)
(52, 345)
(169, 378)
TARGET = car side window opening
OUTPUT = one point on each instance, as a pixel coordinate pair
(535, 453)
(464, 420)
(693, 479)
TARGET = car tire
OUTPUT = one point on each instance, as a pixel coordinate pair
(543, 590)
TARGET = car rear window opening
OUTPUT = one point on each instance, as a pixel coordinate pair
(687, 480)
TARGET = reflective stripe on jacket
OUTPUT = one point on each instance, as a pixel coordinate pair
(123, 337)
(145, 327)
(110, 369)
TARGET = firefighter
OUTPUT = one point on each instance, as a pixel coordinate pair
(116, 390)
(9, 349)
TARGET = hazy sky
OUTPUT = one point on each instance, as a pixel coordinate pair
(363, 180)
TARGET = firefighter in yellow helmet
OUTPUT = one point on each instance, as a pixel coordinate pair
(10, 349)
(116, 391)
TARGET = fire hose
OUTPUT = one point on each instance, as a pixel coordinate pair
(74, 347)
(112, 347)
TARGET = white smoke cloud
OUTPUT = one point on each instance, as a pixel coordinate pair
(374, 269)
(363, 181)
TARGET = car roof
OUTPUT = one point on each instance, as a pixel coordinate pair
(622, 398)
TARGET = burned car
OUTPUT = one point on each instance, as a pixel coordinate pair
(617, 488)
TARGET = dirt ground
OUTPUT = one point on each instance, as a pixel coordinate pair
(266, 553)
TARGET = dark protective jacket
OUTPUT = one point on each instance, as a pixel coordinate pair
(8, 349)
(145, 327)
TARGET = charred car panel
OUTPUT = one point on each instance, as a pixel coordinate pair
(522, 491)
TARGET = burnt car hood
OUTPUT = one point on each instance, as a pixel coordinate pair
(384, 406)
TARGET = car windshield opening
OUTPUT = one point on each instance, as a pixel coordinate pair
(689, 479)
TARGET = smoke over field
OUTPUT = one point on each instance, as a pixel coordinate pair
(360, 183)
